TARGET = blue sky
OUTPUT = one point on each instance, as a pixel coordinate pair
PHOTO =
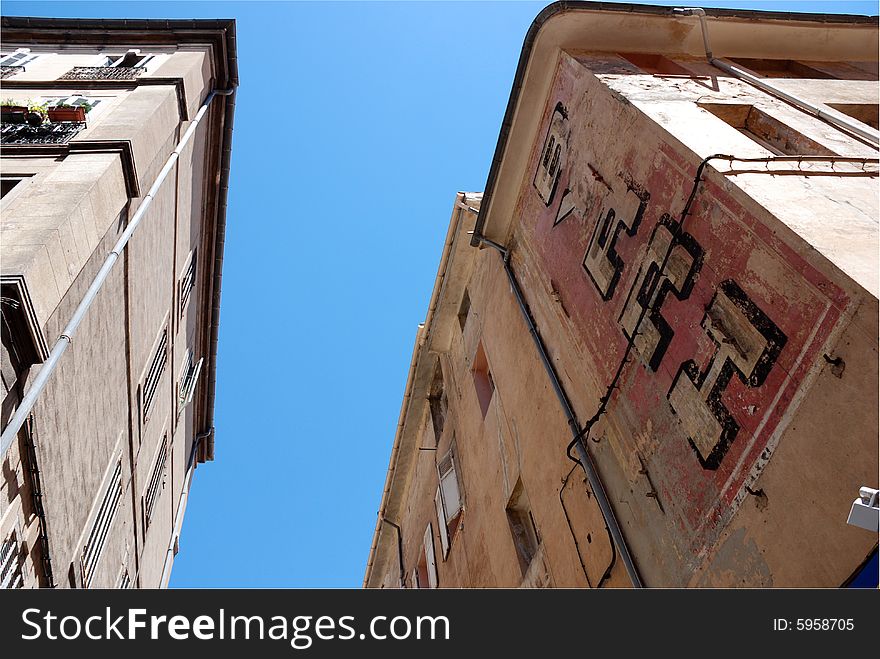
(356, 124)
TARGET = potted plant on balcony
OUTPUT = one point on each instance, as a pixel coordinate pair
(12, 112)
(36, 114)
(67, 112)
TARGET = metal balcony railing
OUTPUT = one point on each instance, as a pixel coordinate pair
(102, 73)
(49, 133)
(9, 71)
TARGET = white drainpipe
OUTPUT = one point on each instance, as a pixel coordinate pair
(865, 132)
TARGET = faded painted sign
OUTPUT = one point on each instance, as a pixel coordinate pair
(718, 318)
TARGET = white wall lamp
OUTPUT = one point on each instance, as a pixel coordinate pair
(865, 512)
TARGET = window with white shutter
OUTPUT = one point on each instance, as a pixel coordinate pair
(430, 562)
(156, 484)
(10, 563)
(97, 537)
(19, 57)
(150, 386)
(448, 500)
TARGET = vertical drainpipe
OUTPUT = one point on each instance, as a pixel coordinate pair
(585, 460)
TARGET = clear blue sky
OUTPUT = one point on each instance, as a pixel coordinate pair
(355, 126)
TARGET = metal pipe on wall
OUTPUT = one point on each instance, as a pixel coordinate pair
(844, 124)
(66, 337)
(585, 460)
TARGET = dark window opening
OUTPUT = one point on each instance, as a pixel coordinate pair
(483, 381)
(7, 183)
(437, 402)
(767, 131)
(864, 112)
(464, 310)
(780, 68)
(522, 527)
(656, 64)
(786, 68)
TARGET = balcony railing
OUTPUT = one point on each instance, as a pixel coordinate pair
(102, 73)
(48, 133)
(9, 71)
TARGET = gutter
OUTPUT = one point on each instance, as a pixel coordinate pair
(572, 5)
(421, 337)
(219, 245)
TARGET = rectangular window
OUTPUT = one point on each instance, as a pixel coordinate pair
(448, 501)
(483, 381)
(130, 59)
(426, 573)
(437, 402)
(464, 310)
(656, 64)
(522, 526)
(767, 131)
(124, 580)
(10, 563)
(10, 182)
(154, 375)
(19, 57)
(156, 484)
(187, 282)
(864, 112)
(780, 68)
(189, 377)
(101, 527)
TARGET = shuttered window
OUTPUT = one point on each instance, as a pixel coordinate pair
(430, 564)
(189, 377)
(20, 57)
(187, 283)
(97, 537)
(154, 374)
(10, 563)
(157, 482)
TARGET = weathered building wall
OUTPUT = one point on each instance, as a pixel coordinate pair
(57, 231)
(735, 343)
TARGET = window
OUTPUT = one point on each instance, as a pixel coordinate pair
(10, 563)
(464, 310)
(187, 282)
(864, 112)
(780, 68)
(437, 402)
(130, 59)
(656, 64)
(156, 484)
(154, 375)
(425, 575)
(189, 377)
(124, 580)
(483, 381)
(767, 131)
(19, 57)
(522, 526)
(8, 184)
(448, 501)
(101, 527)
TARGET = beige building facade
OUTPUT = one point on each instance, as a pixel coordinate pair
(94, 485)
(650, 356)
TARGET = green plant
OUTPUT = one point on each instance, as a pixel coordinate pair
(9, 102)
(40, 108)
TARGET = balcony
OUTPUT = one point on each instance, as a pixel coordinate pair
(103, 73)
(9, 71)
(47, 133)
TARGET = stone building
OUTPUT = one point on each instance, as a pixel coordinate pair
(650, 356)
(94, 483)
